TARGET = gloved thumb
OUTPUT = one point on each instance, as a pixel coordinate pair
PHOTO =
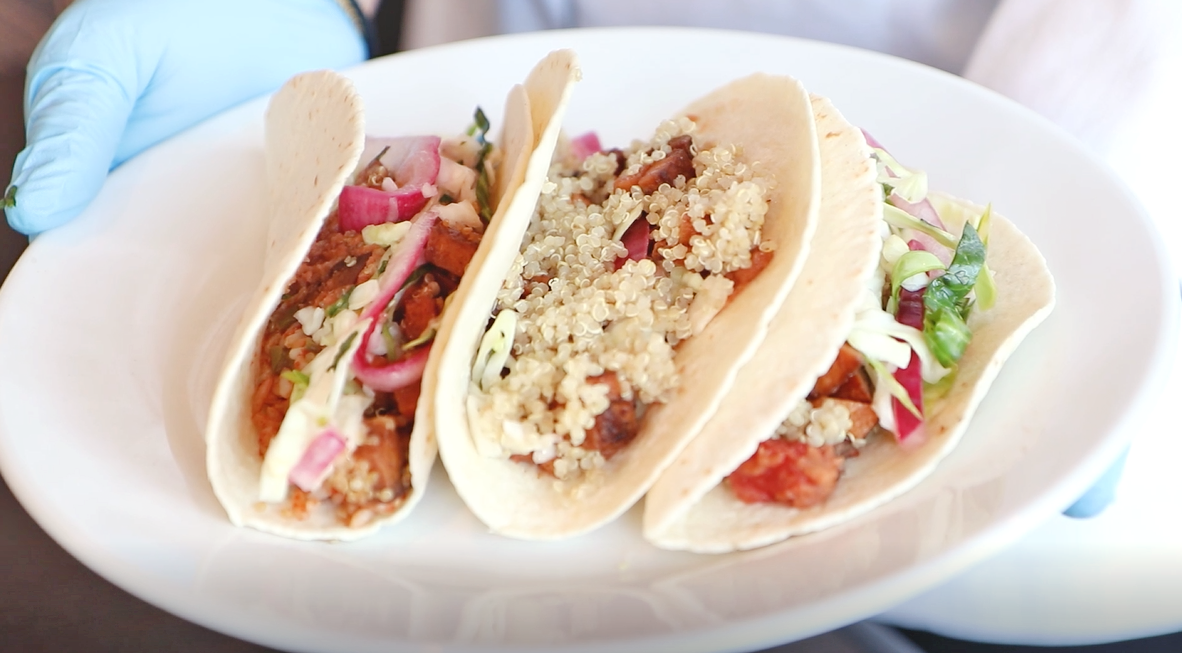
(76, 109)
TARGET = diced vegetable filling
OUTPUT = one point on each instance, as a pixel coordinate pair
(337, 378)
(908, 336)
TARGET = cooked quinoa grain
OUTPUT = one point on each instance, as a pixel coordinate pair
(597, 331)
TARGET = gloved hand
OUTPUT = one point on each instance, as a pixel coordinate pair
(113, 77)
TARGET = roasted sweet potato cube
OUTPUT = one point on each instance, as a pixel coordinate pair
(856, 388)
(419, 307)
(862, 415)
(848, 361)
(451, 247)
(678, 163)
(407, 399)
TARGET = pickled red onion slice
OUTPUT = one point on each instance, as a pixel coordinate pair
(909, 428)
(413, 162)
(635, 240)
(409, 254)
(922, 210)
(361, 206)
(871, 141)
(313, 466)
(584, 146)
(399, 374)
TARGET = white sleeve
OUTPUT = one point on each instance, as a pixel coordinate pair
(1108, 71)
(1088, 66)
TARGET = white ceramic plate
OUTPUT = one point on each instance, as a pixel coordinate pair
(1072, 582)
(112, 328)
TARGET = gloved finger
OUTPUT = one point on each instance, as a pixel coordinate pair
(73, 130)
(113, 77)
(230, 51)
(1101, 494)
(83, 83)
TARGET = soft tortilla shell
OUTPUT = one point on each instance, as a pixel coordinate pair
(771, 119)
(525, 142)
(315, 133)
(690, 508)
(315, 130)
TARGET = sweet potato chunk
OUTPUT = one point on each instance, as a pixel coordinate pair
(387, 457)
(791, 473)
(848, 361)
(861, 414)
(759, 261)
(451, 247)
(419, 307)
(856, 388)
(406, 399)
(615, 427)
(678, 163)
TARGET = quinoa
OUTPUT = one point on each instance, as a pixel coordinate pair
(580, 317)
(828, 422)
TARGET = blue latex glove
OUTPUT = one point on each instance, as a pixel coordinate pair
(113, 77)
(1101, 494)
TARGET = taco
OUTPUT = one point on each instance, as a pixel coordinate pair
(320, 427)
(903, 315)
(610, 322)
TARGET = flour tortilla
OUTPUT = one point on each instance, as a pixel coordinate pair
(315, 132)
(691, 508)
(770, 118)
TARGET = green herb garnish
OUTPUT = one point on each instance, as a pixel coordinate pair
(344, 348)
(371, 174)
(391, 343)
(946, 303)
(985, 289)
(482, 198)
(340, 304)
(9, 200)
(299, 383)
(378, 158)
(418, 273)
(296, 377)
(284, 318)
(479, 129)
(279, 358)
(446, 199)
(479, 124)
(424, 337)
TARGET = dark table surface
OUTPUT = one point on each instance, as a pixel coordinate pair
(51, 602)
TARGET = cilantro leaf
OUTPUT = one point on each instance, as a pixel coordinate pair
(479, 129)
(340, 304)
(946, 305)
(344, 348)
